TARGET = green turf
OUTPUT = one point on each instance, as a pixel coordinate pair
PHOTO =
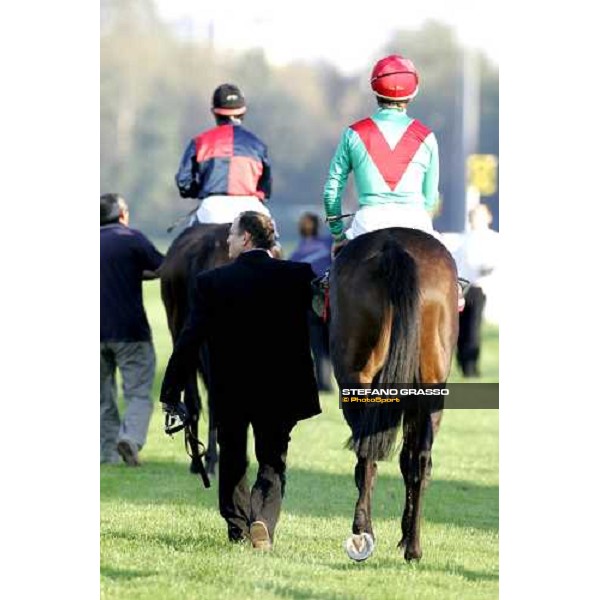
(162, 536)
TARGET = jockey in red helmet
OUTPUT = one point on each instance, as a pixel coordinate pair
(394, 159)
(227, 167)
(395, 78)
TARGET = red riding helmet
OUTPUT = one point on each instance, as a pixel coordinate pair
(395, 78)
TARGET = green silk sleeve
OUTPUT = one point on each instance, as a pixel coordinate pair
(339, 169)
(432, 175)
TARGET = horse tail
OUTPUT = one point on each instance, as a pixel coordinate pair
(399, 273)
(375, 438)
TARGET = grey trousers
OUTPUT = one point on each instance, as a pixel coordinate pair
(136, 362)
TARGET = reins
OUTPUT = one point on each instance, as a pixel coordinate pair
(191, 442)
(190, 439)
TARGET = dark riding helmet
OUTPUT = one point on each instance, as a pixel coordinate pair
(395, 78)
(228, 100)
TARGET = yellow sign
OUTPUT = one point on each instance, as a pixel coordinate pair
(482, 173)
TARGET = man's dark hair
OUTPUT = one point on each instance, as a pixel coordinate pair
(259, 226)
(384, 103)
(109, 208)
(314, 220)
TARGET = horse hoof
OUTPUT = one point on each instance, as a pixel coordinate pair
(359, 546)
(410, 555)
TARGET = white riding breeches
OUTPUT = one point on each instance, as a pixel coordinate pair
(224, 209)
(380, 216)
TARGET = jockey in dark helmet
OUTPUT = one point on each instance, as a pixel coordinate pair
(394, 158)
(226, 167)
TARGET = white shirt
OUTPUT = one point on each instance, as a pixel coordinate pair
(477, 257)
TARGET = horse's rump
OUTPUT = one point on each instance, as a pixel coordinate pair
(379, 290)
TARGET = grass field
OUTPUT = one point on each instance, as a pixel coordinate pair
(162, 536)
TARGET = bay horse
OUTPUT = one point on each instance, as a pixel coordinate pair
(196, 249)
(394, 320)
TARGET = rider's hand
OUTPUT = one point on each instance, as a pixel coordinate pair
(338, 244)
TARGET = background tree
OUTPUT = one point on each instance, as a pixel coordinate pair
(156, 87)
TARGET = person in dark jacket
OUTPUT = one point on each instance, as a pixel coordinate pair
(316, 251)
(253, 315)
(126, 258)
(227, 167)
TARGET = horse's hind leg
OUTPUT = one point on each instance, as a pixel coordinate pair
(365, 474)
(415, 464)
(356, 360)
(361, 544)
(421, 424)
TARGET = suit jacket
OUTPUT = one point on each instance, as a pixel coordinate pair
(253, 315)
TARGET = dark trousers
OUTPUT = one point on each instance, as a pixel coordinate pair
(319, 345)
(469, 333)
(238, 505)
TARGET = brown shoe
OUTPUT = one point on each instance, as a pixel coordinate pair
(259, 536)
(129, 453)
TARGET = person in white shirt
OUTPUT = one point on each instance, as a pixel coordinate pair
(476, 259)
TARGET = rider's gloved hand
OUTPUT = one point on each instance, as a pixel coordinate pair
(339, 241)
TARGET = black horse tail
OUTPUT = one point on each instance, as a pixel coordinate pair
(380, 423)
(399, 271)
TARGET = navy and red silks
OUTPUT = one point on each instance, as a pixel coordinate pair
(225, 160)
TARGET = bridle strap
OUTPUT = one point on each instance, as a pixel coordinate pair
(190, 439)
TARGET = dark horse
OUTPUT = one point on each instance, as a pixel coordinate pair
(394, 319)
(196, 249)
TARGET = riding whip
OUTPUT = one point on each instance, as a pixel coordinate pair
(339, 217)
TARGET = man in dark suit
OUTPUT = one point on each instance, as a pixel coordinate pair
(252, 314)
